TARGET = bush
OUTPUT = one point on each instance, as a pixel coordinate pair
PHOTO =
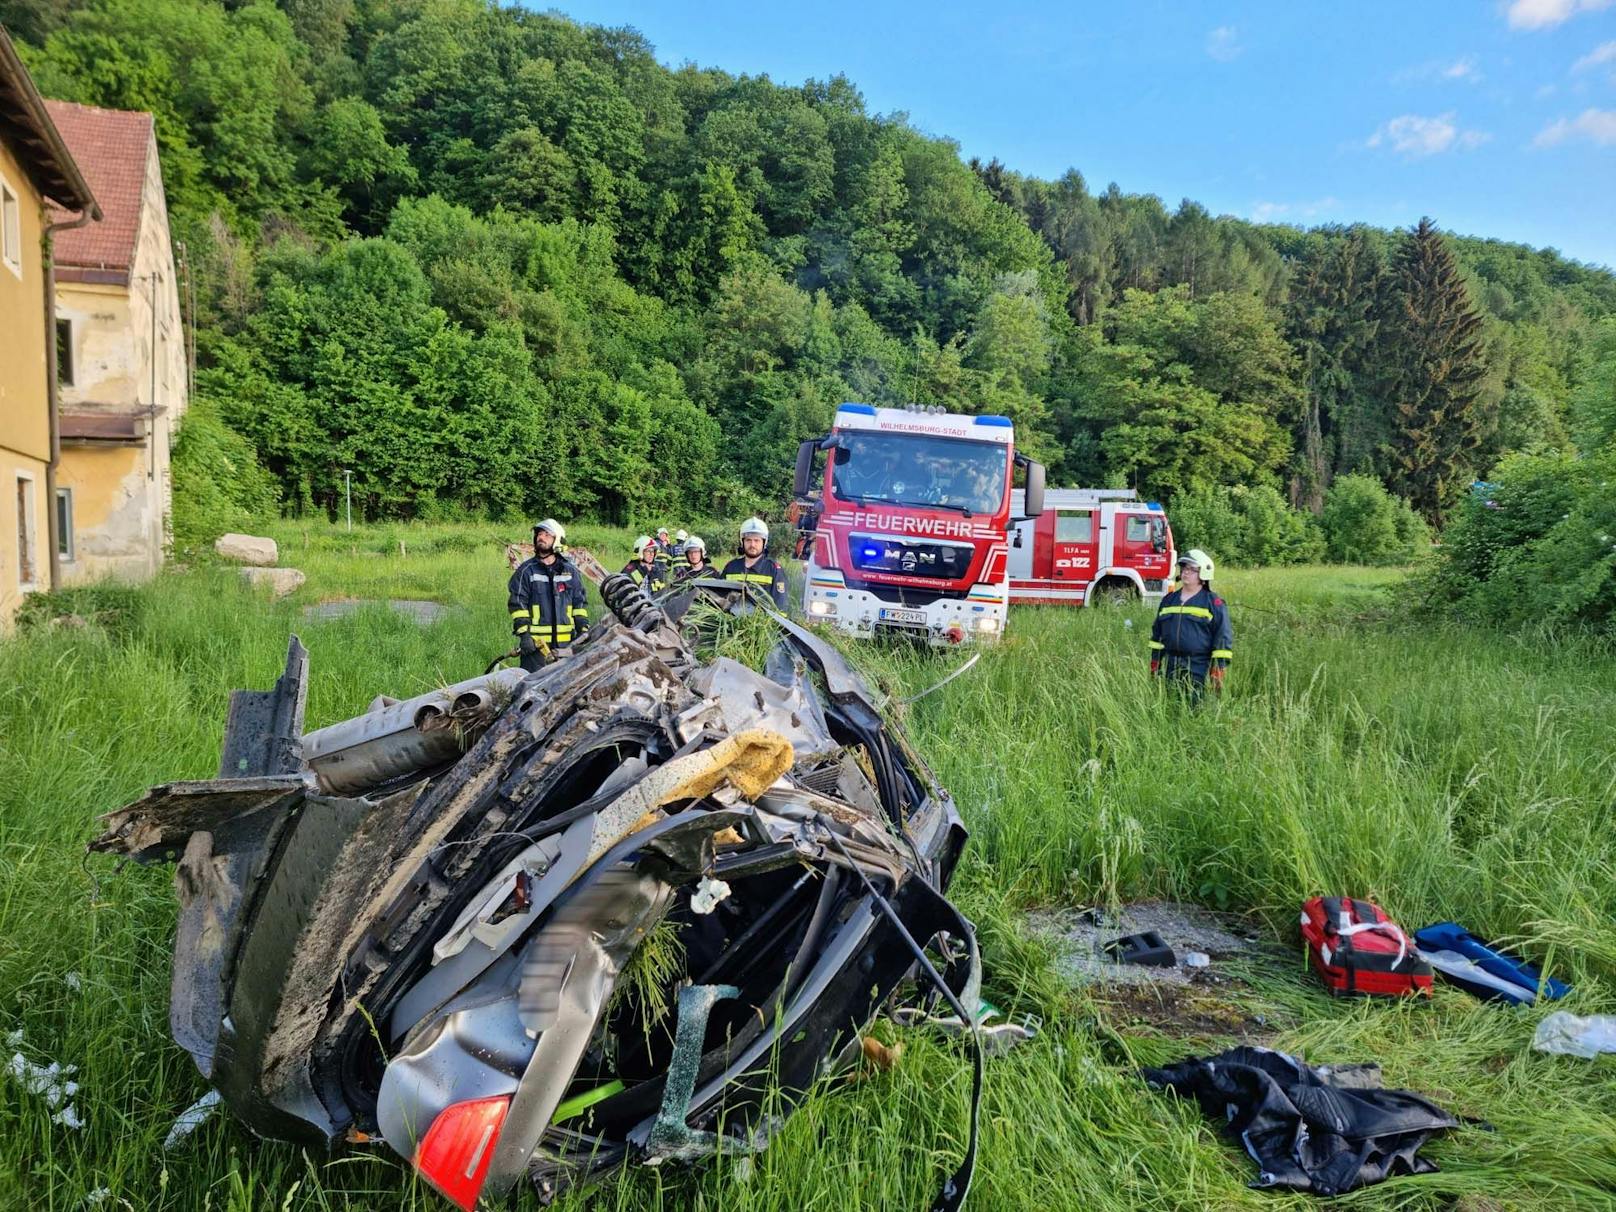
(218, 483)
(1252, 527)
(1536, 546)
(1365, 524)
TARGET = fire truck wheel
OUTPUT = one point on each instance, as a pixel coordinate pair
(1115, 592)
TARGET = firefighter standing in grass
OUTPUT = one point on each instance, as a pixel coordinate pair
(1191, 640)
(648, 569)
(754, 566)
(547, 603)
(696, 562)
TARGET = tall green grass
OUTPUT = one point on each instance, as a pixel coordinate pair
(1447, 773)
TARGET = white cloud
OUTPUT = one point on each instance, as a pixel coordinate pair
(1605, 52)
(1223, 43)
(1415, 137)
(1545, 14)
(1277, 212)
(1596, 125)
(1466, 69)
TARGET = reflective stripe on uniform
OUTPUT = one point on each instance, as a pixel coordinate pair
(1195, 612)
(752, 578)
(1223, 654)
(1156, 644)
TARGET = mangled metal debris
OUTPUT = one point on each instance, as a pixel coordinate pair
(411, 925)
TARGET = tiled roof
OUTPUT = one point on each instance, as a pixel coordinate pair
(110, 147)
(27, 130)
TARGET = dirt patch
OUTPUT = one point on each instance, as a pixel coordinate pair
(1181, 1001)
(1080, 936)
(1182, 1011)
(421, 612)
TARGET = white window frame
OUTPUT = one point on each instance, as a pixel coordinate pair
(10, 227)
(27, 534)
(65, 547)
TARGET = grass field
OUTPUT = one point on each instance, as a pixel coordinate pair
(1446, 773)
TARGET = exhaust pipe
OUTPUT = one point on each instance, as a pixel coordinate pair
(394, 739)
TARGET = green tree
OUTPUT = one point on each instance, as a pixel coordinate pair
(1333, 322)
(1434, 337)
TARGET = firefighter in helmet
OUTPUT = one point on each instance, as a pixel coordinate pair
(754, 566)
(546, 599)
(1192, 641)
(648, 569)
(696, 562)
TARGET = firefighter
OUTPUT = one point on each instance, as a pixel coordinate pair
(754, 566)
(664, 542)
(696, 562)
(1192, 640)
(547, 602)
(681, 543)
(648, 568)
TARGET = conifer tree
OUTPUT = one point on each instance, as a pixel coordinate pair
(1333, 321)
(1435, 368)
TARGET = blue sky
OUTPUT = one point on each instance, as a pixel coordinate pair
(1497, 118)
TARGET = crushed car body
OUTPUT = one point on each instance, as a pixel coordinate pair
(531, 926)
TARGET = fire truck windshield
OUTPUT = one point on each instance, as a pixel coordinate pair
(919, 469)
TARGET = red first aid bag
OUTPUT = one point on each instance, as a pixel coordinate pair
(1357, 949)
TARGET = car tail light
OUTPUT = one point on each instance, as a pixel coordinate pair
(455, 1153)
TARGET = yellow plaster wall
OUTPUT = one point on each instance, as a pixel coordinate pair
(24, 405)
(128, 352)
(117, 512)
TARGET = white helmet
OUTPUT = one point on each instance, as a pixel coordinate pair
(640, 544)
(696, 543)
(661, 530)
(682, 535)
(755, 526)
(554, 527)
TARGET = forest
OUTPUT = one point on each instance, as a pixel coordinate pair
(502, 264)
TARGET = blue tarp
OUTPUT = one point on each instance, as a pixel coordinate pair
(1490, 974)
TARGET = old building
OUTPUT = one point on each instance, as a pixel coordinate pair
(36, 169)
(121, 353)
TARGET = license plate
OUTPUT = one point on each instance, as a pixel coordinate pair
(909, 618)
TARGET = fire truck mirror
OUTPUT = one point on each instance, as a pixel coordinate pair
(805, 467)
(1033, 501)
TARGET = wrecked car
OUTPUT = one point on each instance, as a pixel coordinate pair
(527, 927)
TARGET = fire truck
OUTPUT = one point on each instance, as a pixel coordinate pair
(908, 532)
(1091, 545)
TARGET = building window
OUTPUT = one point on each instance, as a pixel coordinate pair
(27, 548)
(64, 352)
(10, 229)
(64, 523)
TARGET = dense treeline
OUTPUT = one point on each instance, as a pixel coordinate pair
(494, 260)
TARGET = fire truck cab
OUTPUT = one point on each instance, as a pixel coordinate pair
(907, 533)
(1090, 544)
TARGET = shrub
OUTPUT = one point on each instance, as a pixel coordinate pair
(1245, 526)
(218, 483)
(1536, 546)
(1365, 524)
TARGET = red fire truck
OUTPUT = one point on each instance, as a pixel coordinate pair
(1091, 545)
(909, 530)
